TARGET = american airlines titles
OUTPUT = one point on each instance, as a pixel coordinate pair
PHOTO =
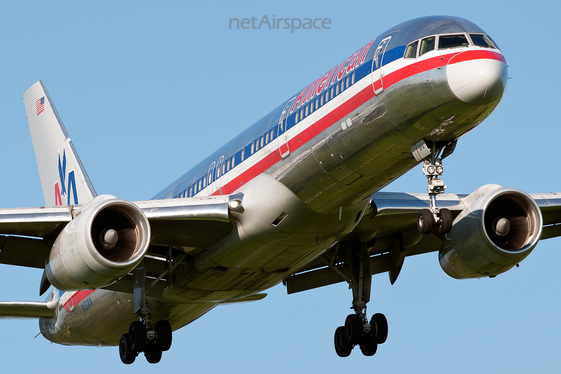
(332, 76)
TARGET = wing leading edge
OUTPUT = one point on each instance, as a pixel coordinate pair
(27, 234)
(390, 223)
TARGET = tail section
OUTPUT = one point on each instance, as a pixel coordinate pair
(63, 177)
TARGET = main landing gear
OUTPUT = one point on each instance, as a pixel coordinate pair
(433, 169)
(142, 337)
(358, 330)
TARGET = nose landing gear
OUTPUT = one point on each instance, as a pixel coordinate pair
(433, 169)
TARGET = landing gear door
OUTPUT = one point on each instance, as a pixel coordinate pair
(282, 127)
(377, 65)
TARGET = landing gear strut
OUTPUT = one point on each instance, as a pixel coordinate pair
(358, 330)
(433, 169)
(142, 337)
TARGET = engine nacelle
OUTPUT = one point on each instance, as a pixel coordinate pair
(105, 241)
(492, 235)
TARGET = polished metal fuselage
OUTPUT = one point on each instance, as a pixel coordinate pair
(321, 188)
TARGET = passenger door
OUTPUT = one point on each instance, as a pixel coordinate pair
(377, 65)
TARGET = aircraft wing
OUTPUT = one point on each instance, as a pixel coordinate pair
(27, 234)
(390, 224)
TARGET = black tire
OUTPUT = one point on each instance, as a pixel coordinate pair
(342, 347)
(153, 354)
(425, 221)
(163, 335)
(445, 221)
(379, 325)
(126, 352)
(369, 346)
(353, 329)
(137, 336)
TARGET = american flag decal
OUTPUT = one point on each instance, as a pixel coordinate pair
(40, 105)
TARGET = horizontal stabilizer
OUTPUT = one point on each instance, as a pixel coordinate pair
(28, 309)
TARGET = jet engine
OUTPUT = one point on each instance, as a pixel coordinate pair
(106, 240)
(497, 231)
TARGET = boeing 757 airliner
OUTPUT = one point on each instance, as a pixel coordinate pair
(294, 199)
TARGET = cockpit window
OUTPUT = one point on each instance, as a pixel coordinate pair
(411, 50)
(452, 41)
(481, 40)
(427, 44)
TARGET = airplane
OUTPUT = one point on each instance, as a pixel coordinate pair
(293, 199)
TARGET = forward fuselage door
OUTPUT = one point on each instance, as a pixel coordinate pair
(282, 127)
(378, 65)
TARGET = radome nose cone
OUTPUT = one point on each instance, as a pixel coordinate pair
(477, 81)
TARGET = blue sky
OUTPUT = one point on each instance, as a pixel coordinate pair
(147, 90)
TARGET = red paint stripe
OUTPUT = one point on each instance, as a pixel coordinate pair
(438, 62)
(477, 55)
(76, 299)
(298, 141)
(354, 102)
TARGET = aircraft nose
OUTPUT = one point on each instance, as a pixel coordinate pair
(476, 81)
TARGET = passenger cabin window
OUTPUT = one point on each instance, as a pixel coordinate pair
(481, 40)
(411, 50)
(452, 41)
(427, 44)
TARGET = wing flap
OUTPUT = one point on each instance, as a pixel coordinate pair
(36, 222)
(188, 222)
(21, 251)
(246, 299)
(550, 206)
